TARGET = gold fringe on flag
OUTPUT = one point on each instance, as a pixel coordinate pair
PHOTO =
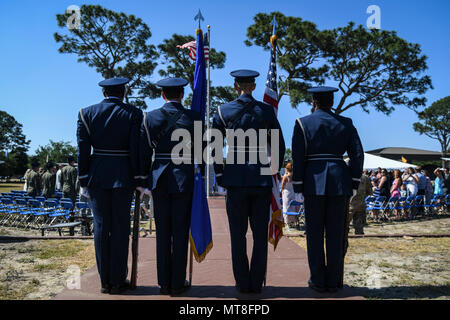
(276, 215)
(199, 258)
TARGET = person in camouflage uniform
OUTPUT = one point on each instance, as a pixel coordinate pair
(34, 181)
(68, 180)
(49, 181)
(357, 210)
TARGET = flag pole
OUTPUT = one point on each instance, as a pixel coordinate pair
(208, 102)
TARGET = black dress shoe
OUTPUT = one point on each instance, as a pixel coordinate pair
(105, 289)
(333, 289)
(164, 290)
(118, 289)
(181, 290)
(316, 287)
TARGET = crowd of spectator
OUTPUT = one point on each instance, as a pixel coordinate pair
(410, 182)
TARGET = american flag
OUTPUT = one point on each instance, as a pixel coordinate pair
(276, 221)
(271, 92)
(192, 46)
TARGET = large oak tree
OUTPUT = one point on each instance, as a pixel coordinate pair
(374, 69)
(115, 44)
(434, 122)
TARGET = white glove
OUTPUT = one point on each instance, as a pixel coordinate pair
(143, 191)
(84, 191)
(299, 197)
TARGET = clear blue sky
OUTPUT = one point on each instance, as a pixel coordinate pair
(44, 90)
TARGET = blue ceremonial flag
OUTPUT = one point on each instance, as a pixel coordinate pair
(201, 233)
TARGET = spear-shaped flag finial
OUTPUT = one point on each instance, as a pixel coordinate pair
(199, 17)
(274, 24)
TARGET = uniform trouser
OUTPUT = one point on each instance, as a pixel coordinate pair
(111, 209)
(244, 204)
(172, 219)
(325, 214)
(358, 216)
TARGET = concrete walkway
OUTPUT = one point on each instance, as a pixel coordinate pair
(213, 278)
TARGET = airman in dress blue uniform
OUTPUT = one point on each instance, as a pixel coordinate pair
(109, 176)
(319, 172)
(171, 181)
(248, 191)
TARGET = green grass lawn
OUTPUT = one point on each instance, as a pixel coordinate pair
(7, 187)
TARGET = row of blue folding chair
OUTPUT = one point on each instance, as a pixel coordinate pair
(32, 212)
(403, 205)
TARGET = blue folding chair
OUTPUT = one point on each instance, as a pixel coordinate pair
(447, 203)
(23, 213)
(434, 205)
(40, 213)
(67, 207)
(41, 199)
(82, 211)
(389, 207)
(8, 210)
(376, 207)
(299, 214)
(59, 214)
(419, 203)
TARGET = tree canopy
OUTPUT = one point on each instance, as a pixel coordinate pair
(376, 67)
(14, 140)
(298, 50)
(56, 152)
(372, 68)
(115, 44)
(434, 122)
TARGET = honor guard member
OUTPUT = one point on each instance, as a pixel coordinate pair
(248, 191)
(318, 143)
(33, 178)
(49, 181)
(171, 182)
(69, 180)
(108, 176)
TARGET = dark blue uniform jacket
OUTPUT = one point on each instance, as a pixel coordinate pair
(247, 174)
(108, 142)
(319, 142)
(180, 176)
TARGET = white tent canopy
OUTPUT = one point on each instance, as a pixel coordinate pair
(373, 162)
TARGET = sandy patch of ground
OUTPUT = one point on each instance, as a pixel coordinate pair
(38, 269)
(399, 268)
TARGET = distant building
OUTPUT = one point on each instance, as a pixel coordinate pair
(408, 155)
